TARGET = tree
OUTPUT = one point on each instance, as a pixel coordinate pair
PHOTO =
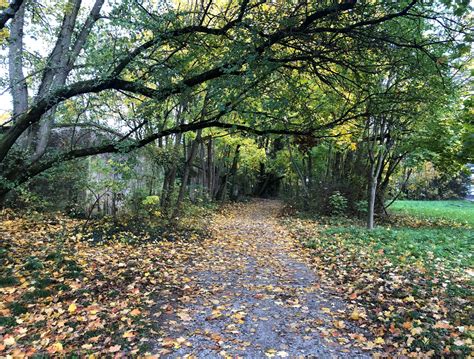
(233, 52)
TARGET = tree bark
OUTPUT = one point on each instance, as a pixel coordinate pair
(233, 173)
(18, 86)
(60, 64)
(210, 169)
(187, 170)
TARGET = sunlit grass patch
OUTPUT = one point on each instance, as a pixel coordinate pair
(461, 211)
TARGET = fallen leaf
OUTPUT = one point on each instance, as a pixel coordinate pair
(115, 348)
(9, 341)
(135, 312)
(355, 315)
(339, 324)
(379, 341)
(128, 335)
(72, 308)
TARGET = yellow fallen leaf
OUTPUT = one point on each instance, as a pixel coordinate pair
(270, 353)
(355, 315)
(216, 313)
(379, 340)
(369, 345)
(72, 308)
(58, 347)
(128, 335)
(238, 317)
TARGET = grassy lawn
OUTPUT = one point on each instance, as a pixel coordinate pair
(460, 211)
(435, 248)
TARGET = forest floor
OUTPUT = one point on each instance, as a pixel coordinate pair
(253, 284)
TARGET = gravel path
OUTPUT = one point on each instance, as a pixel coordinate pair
(249, 292)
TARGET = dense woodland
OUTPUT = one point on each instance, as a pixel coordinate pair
(151, 111)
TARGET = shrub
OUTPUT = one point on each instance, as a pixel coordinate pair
(337, 204)
(361, 208)
(152, 205)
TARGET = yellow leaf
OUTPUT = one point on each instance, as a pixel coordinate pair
(216, 313)
(58, 347)
(128, 335)
(270, 353)
(379, 340)
(238, 317)
(168, 343)
(355, 315)
(72, 308)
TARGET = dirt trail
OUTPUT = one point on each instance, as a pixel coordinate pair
(250, 293)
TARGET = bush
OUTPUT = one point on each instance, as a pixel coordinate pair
(361, 208)
(152, 205)
(337, 204)
(427, 183)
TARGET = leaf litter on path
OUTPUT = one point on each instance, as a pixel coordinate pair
(250, 292)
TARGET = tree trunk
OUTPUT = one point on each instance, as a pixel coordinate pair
(18, 86)
(371, 204)
(233, 173)
(187, 170)
(60, 64)
(203, 177)
(210, 169)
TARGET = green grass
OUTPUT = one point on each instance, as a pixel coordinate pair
(451, 247)
(460, 211)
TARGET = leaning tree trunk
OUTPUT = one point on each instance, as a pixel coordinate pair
(60, 63)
